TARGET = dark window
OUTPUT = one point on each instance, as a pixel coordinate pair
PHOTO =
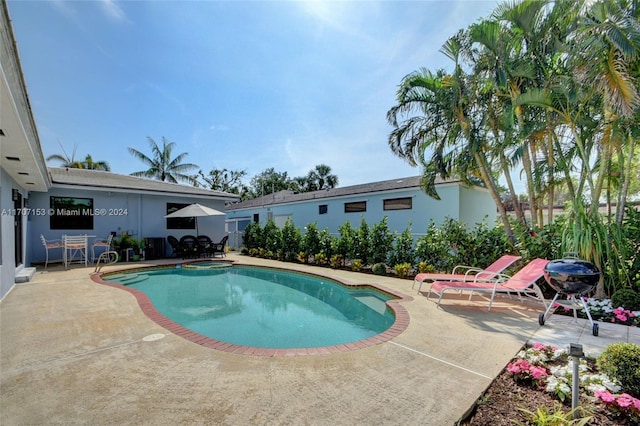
(256, 218)
(323, 209)
(358, 206)
(71, 213)
(398, 203)
(179, 222)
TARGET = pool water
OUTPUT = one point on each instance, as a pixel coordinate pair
(263, 307)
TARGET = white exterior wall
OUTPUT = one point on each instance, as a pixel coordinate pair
(144, 218)
(7, 255)
(476, 205)
(467, 205)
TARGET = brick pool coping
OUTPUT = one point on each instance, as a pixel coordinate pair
(399, 325)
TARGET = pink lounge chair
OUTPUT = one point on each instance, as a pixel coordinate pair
(522, 282)
(469, 273)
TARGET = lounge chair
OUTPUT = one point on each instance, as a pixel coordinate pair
(522, 282)
(469, 273)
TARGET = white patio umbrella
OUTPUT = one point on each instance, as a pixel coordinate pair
(195, 210)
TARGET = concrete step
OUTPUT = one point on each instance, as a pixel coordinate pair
(25, 275)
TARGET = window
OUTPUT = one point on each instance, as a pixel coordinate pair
(71, 213)
(358, 206)
(398, 203)
(256, 217)
(179, 222)
(323, 209)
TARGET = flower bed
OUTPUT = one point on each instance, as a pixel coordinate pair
(603, 310)
(548, 369)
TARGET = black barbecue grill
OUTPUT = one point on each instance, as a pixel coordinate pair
(571, 277)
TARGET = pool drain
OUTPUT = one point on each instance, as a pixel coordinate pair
(153, 337)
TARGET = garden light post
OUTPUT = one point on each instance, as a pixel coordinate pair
(575, 351)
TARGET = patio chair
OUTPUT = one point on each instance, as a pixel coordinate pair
(219, 248)
(50, 245)
(74, 245)
(522, 283)
(190, 247)
(205, 245)
(104, 243)
(176, 248)
(469, 273)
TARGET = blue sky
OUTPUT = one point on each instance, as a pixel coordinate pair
(242, 85)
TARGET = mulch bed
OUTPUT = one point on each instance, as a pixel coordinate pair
(500, 404)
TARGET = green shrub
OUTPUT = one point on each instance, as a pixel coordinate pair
(311, 240)
(336, 261)
(291, 241)
(424, 267)
(327, 243)
(379, 269)
(403, 251)
(345, 244)
(356, 265)
(621, 361)
(362, 244)
(627, 299)
(402, 269)
(381, 240)
(320, 259)
(555, 416)
(253, 237)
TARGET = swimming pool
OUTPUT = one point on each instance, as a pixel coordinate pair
(255, 307)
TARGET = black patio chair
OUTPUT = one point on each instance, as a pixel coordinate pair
(219, 248)
(205, 245)
(176, 248)
(190, 247)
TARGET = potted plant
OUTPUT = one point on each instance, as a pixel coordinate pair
(137, 246)
(122, 244)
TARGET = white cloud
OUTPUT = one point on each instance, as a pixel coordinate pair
(113, 11)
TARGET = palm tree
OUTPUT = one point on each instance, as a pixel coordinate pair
(161, 166)
(71, 162)
(89, 164)
(321, 178)
(449, 124)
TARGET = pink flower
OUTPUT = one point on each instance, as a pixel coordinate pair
(513, 368)
(538, 372)
(625, 400)
(621, 317)
(605, 396)
(636, 404)
(539, 346)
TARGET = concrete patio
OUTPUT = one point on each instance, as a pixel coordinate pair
(73, 352)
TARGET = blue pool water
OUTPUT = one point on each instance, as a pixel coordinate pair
(262, 307)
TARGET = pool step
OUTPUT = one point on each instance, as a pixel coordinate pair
(374, 303)
(126, 279)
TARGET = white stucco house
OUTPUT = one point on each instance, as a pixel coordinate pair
(98, 203)
(401, 200)
(36, 200)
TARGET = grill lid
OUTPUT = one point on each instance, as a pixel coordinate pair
(571, 276)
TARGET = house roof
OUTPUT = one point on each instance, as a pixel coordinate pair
(107, 181)
(283, 197)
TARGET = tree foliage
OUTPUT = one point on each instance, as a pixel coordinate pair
(541, 91)
(161, 164)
